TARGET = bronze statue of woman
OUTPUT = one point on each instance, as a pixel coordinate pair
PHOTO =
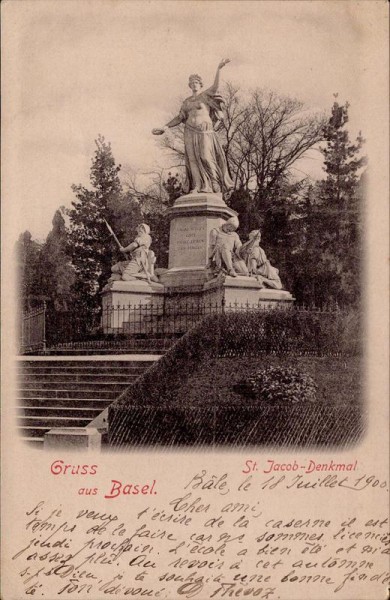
(201, 113)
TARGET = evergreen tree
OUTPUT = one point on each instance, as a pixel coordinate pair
(307, 285)
(57, 273)
(341, 159)
(339, 205)
(327, 262)
(281, 226)
(90, 246)
(28, 255)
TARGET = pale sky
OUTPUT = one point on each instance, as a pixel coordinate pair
(74, 69)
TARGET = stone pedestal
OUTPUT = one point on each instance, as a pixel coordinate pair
(126, 302)
(240, 291)
(136, 307)
(192, 218)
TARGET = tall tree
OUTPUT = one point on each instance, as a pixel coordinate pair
(92, 249)
(57, 272)
(266, 133)
(28, 255)
(307, 280)
(340, 207)
(328, 262)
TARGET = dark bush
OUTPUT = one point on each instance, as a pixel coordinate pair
(281, 385)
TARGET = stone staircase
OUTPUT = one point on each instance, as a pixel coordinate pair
(70, 391)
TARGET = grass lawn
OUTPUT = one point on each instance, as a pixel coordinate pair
(338, 379)
(213, 381)
(193, 396)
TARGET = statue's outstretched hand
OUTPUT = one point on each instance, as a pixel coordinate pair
(158, 131)
(223, 62)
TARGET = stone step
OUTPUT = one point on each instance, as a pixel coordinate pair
(93, 351)
(58, 411)
(36, 431)
(50, 422)
(88, 362)
(88, 370)
(64, 377)
(93, 394)
(70, 392)
(75, 385)
(34, 442)
(85, 362)
(93, 403)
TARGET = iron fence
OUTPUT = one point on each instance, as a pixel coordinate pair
(33, 330)
(155, 319)
(63, 327)
(121, 327)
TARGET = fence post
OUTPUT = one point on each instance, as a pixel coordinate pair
(44, 327)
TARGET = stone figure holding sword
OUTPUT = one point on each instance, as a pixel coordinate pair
(140, 265)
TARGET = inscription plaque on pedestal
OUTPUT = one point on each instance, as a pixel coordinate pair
(188, 242)
(192, 219)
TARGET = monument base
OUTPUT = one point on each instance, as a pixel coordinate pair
(136, 307)
(182, 278)
(140, 307)
(234, 293)
(122, 299)
(138, 291)
(242, 291)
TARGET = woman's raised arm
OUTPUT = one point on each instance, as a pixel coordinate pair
(215, 85)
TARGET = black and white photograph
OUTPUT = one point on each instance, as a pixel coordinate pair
(194, 222)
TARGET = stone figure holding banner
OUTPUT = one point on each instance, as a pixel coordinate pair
(225, 246)
(201, 114)
(141, 263)
(257, 263)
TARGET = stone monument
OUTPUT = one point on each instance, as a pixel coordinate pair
(205, 251)
(197, 219)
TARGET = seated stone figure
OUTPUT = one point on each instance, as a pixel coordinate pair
(225, 246)
(141, 263)
(257, 263)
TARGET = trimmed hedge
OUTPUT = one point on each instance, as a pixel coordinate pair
(302, 332)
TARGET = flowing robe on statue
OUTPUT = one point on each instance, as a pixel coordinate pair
(259, 265)
(139, 258)
(206, 164)
(224, 248)
(141, 264)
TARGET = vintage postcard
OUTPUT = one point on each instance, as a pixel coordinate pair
(195, 300)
